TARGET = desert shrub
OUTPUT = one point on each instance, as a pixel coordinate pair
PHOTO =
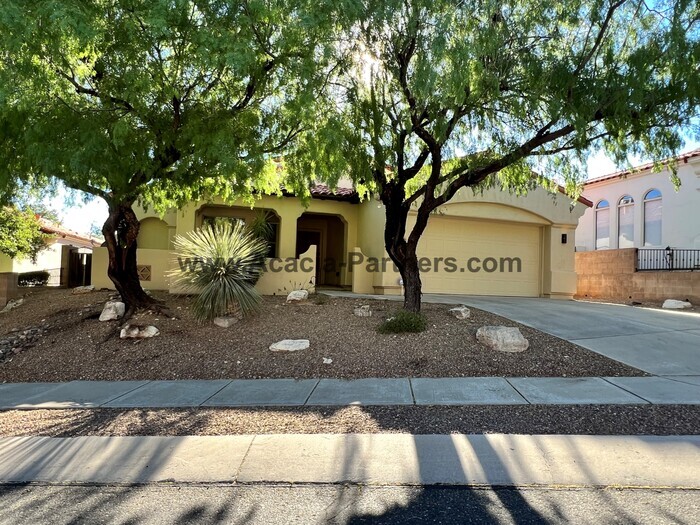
(320, 299)
(403, 321)
(39, 278)
(220, 264)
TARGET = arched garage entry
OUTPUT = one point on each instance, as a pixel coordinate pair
(481, 257)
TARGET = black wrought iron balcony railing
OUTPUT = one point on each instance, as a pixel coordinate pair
(667, 259)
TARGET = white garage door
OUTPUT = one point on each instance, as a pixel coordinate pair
(480, 257)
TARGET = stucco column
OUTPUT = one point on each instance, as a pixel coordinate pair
(185, 218)
(559, 279)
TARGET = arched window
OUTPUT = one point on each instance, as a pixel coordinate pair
(602, 225)
(625, 222)
(652, 218)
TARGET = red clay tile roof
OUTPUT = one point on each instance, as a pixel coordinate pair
(323, 191)
(56, 230)
(685, 157)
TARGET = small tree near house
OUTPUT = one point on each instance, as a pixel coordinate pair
(20, 234)
(158, 102)
(440, 95)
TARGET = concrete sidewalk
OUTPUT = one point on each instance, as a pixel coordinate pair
(336, 392)
(386, 459)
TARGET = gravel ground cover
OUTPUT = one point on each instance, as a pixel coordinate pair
(523, 419)
(77, 346)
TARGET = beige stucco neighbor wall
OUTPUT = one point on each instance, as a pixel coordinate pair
(610, 274)
(53, 259)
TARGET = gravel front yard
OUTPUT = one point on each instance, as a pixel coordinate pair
(521, 419)
(77, 346)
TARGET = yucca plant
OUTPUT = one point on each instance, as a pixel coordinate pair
(220, 263)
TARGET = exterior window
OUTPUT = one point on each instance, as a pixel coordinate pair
(602, 225)
(652, 218)
(625, 222)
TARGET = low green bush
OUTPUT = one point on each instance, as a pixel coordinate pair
(39, 278)
(403, 321)
(320, 298)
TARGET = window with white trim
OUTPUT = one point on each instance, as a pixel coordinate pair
(652, 218)
(625, 222)
(602, 225)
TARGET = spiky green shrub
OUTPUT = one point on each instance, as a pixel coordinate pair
(220, 263)
(403, 321)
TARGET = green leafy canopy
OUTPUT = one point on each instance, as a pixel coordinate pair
(453, 93)
(20, 234)
(159, 100)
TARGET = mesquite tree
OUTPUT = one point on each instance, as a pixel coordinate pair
(152, 101)
(441, 95)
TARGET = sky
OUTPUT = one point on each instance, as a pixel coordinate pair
(80, 217)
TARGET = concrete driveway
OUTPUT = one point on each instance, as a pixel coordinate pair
(660, 342)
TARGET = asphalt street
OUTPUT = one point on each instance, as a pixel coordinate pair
(339, 504)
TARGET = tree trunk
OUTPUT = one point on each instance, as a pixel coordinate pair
(403, 254)
(403, 251)
(120, 231)
(411, 281)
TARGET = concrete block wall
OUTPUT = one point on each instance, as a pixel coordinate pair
(610, 274)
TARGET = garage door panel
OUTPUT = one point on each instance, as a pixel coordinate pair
(464, 239)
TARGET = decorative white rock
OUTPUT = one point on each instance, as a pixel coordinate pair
(502, 338)
(461, 312)
(12, 303)
(327, 361)
(673, 304)
(138, 332)
(112, 310)
(225, 322)
(290, 345)
(82, 289)
(296, 296)
(363, 311)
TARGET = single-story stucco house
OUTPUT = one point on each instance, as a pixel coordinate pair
(492, 243)
(67, 259)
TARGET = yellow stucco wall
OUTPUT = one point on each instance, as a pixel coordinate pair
(272, 282)
(549, 215)
(155, 234)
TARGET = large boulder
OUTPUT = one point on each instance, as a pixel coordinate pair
(673, 304)
(363, 311)
(132, 331)
(502, 338)
(461, 312)
(297, 296)
(112, 310)
(290, 345)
